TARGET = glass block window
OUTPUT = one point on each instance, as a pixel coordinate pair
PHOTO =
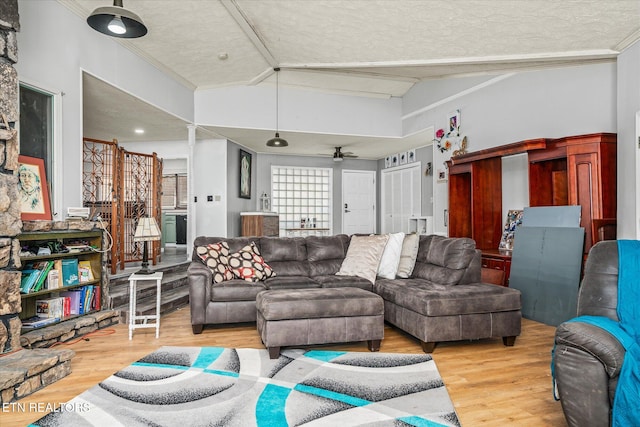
(302, 197)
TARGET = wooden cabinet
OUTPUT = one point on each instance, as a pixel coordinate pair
(576, 170)
(475, 205)
(500, 261)
(55, 241)
(260, 224)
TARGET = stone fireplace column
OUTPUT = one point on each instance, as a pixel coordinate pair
(10, 224)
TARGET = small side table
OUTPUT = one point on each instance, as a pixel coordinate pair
(133, 318)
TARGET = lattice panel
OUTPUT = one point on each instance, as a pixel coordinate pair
(122, 187)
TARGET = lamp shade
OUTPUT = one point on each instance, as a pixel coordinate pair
(147, 230)
(116, 21)
(277, 141)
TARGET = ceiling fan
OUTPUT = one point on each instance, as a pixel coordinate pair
(339, 155)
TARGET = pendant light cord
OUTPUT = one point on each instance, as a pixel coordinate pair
(277, 70)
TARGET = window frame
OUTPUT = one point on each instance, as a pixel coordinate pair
(296, 208)
(54, 171)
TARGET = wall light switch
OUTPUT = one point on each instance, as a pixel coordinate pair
(218, 198)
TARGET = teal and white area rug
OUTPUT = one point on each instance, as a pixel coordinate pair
(214, 386)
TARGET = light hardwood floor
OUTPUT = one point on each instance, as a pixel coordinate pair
(490, 384)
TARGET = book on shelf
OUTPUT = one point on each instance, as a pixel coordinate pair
(37, 322)
(50, 307)
(70, 272)
(44, 268)
(29, 276)
(74, 300)
(53, 279)
(85, 271)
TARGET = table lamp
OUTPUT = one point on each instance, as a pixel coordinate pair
(146, 231)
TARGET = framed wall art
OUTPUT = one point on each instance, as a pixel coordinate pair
(33, 189)
(454, 123)
(411, 155)
(394, 160)
(245, 175)
(403, 158)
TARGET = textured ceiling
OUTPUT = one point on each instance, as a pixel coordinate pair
(361, 47)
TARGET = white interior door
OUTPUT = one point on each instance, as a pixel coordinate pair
(358, 202)
(401, 197)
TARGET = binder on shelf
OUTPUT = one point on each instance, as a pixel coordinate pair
(70, 272)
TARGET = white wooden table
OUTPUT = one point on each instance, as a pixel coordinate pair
(133, 318)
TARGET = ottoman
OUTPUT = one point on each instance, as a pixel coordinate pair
(319, 316)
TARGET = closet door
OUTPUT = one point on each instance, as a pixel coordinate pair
(401, 197)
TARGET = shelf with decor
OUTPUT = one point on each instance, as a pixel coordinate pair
(576, 170)
(53, 257)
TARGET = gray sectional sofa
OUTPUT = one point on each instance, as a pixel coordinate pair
(443, 300)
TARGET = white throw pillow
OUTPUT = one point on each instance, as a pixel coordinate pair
(408, 256)
(363, 257)
(391, 256)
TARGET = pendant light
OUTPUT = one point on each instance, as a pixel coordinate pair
(116, 21)
(277, 141)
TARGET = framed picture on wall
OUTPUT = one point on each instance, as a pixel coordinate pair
(394, 160)
(387, 162)
(245, 174)
(411, 156)
(33, 189)
(454, 123)
(403, 158)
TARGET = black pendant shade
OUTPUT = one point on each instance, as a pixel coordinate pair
(277, 141)
(116, 21)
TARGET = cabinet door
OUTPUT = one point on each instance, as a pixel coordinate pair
(169, 229)
(401, 198)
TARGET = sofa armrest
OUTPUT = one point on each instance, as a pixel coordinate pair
(200, 278)
(587, 362)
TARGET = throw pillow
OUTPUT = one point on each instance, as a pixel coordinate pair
(247, 264)
(363, 257)
(391, 256)
(408, 255)
(216, 257)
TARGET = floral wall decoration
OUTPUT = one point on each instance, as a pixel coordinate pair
(446, 140)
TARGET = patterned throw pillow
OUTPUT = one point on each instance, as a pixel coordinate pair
(216, 257)
(247, 264)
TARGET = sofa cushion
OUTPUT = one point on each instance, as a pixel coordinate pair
(287, 256)
(236, 290)
(235, 243)
(326, 253)
(363, 257)
(391, 256)
(432, 299)
(318, 303)
(333, 281)
(247, 264)
(216, 257)
(408, 255)
(443, 260)
(291, 282)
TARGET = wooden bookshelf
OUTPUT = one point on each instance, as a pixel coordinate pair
(45, 239)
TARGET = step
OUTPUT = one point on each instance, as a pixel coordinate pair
(119, 292)
(169, 301)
